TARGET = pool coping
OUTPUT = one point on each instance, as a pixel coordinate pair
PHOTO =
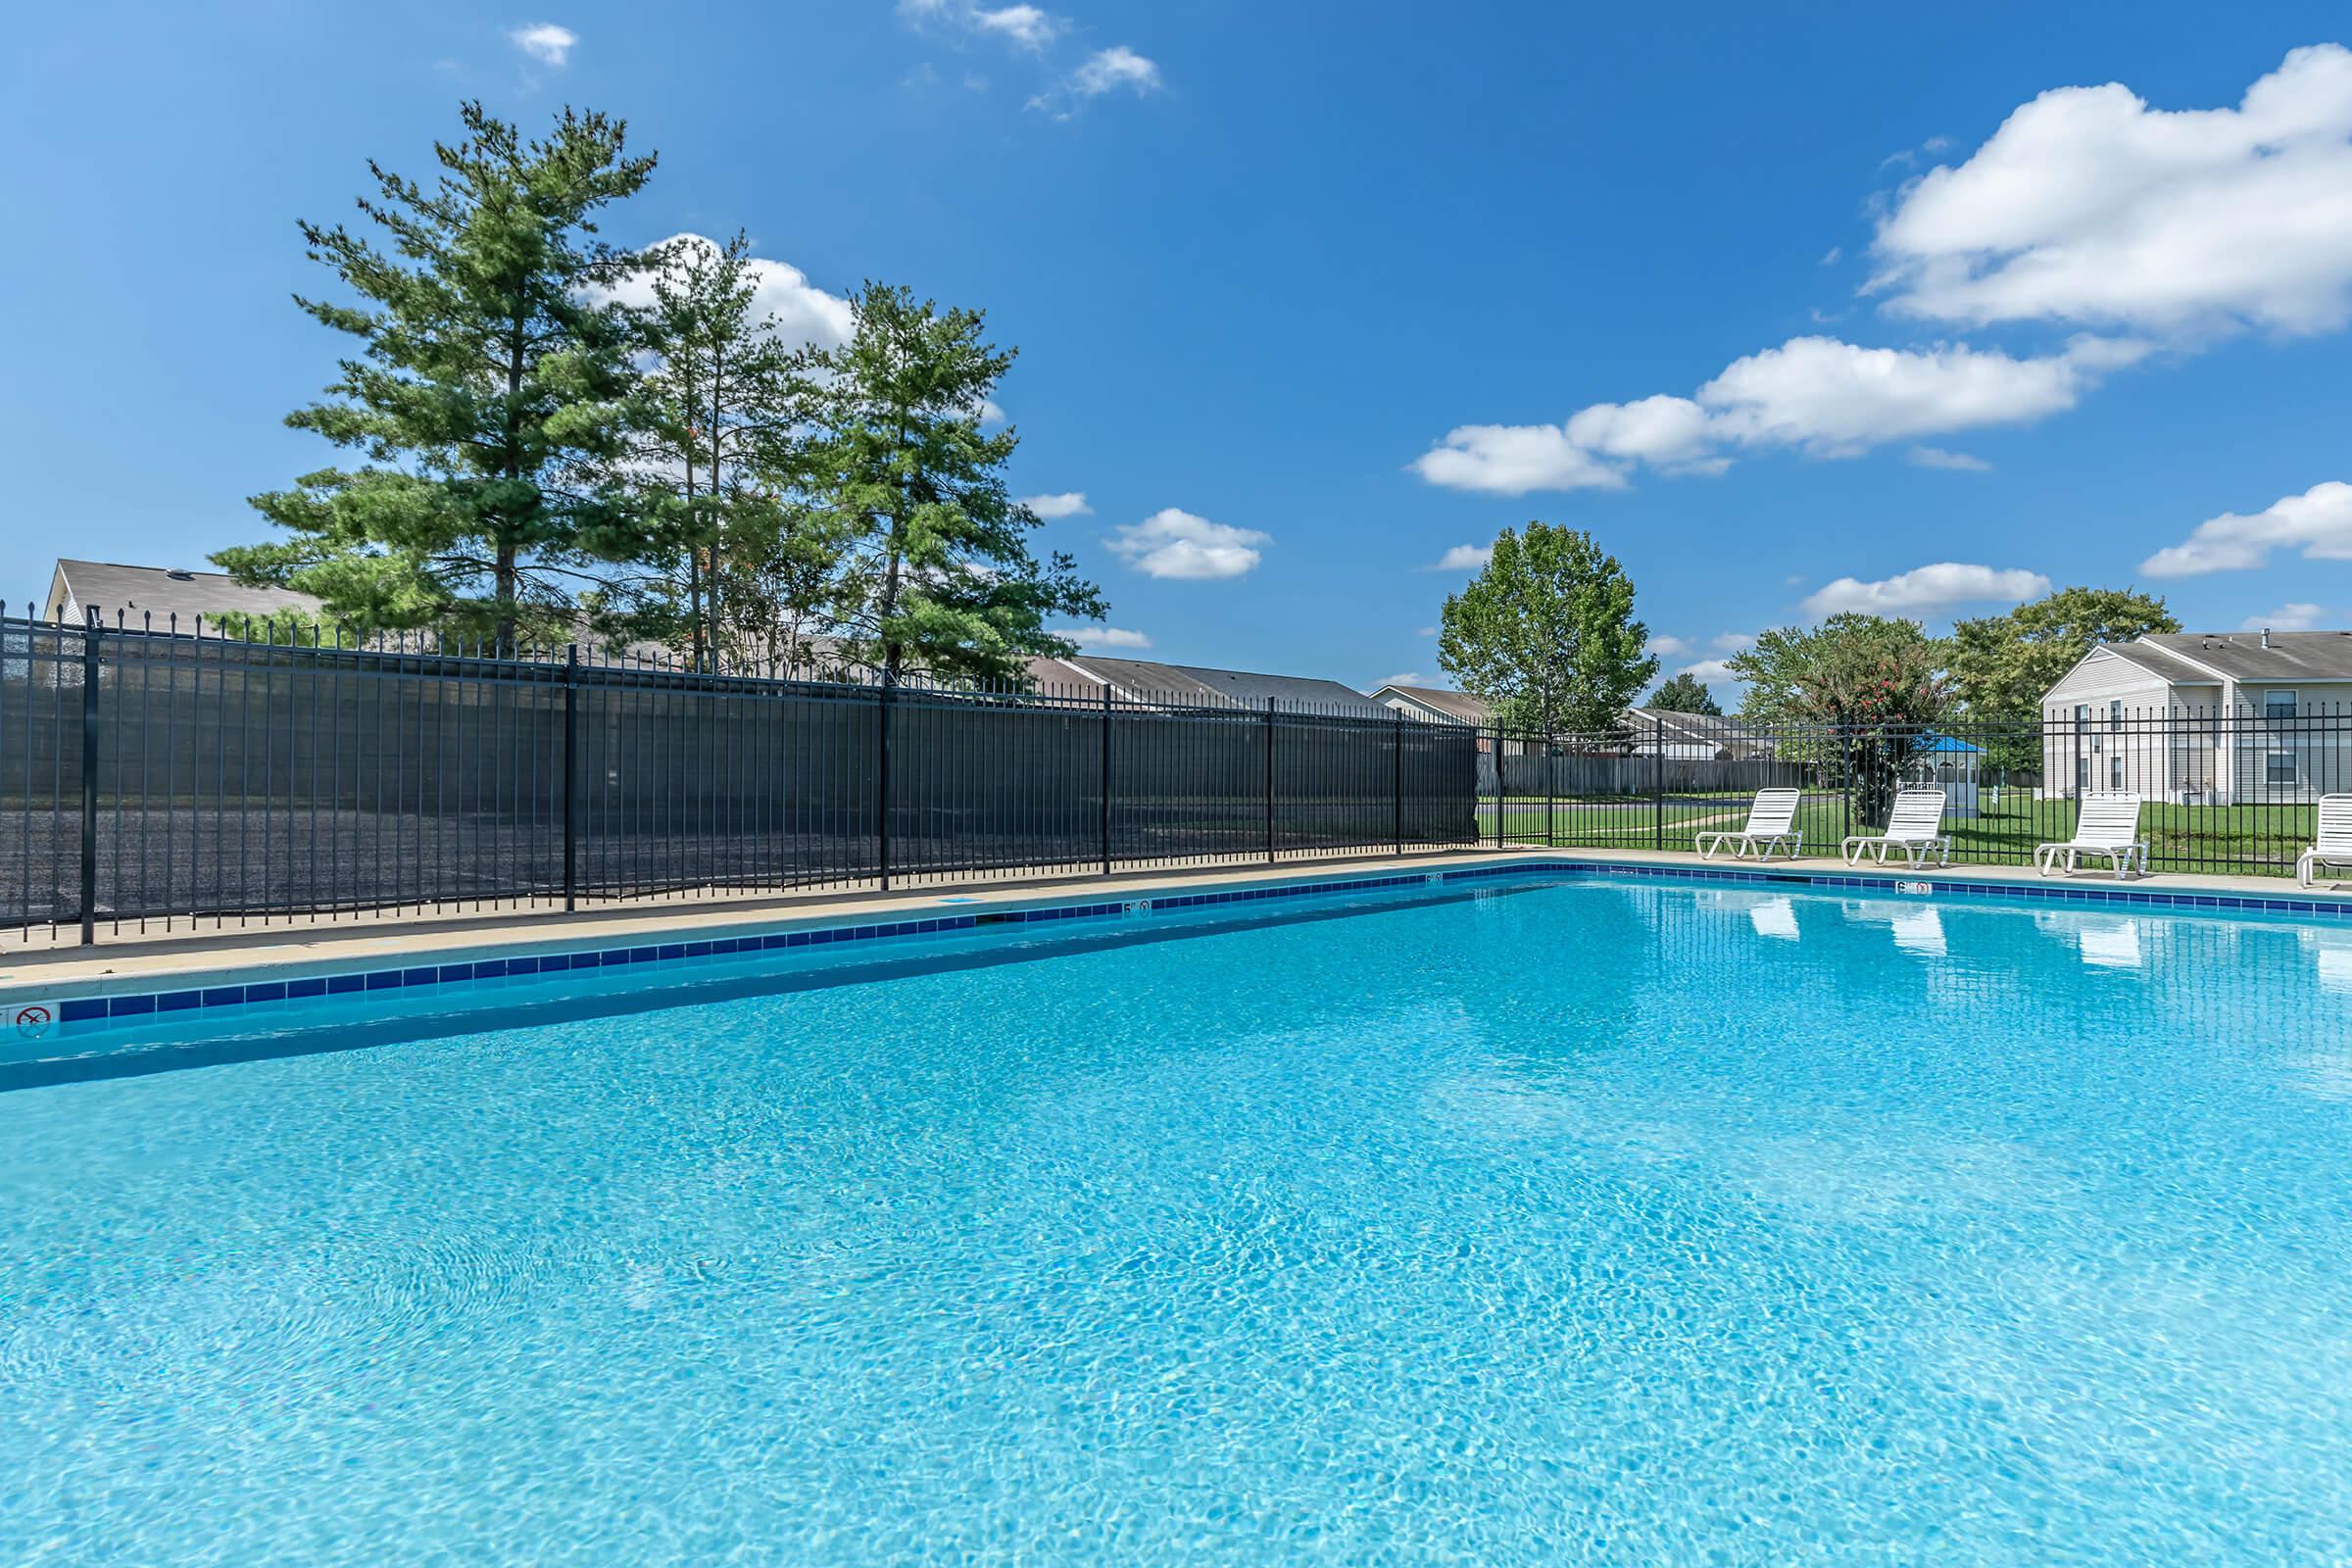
(36, 1004)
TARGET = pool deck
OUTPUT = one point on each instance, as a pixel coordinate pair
(129, 963)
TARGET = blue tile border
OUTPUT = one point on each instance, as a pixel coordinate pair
(93, 1011)
(2126, 893)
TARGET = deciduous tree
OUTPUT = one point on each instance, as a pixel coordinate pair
(2001, 665)
(1546, 634)
(1686, 693)
(1871, 684)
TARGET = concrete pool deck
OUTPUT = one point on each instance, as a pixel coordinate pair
(129, 963)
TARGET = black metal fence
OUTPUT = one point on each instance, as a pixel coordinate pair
(152, 776)
(2229, 790)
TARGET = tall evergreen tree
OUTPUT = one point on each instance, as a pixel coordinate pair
(1545, 632)
(938, 576)
(487, 396)
(715, 462)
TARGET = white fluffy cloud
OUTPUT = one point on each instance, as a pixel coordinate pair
(2086, 206)
(803, 312)
(1817, 395)
(1510, 460)
(1664, 430)
(2287, 618)
(1403, 677)
(1462, 558)
(1947, 582)
(1712, 673)
(1173, 543)
(545, 42)
(2089, 205)
(1068, 503)
(1103, 636)
(1024, 25)
(2318, 523)
(1109, 69)
(1667, 647)
(1834, 399)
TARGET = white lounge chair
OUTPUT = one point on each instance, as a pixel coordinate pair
(2335, 849)
(2108, 825)
(1771, 824)
(1915, 827)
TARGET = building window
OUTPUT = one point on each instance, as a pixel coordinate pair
(2280, 768)
(2081, 775)
(2278, 704)
(2115, 714)
(2115, 772)
(2081, 715)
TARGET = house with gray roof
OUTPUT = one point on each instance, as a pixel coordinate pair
(1434, 704)
(1641, 731)
(2204, 717)
(159, 597)
(1144, 680)
(1663, 732)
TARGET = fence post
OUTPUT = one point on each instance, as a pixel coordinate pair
(1657, 782)
(91, 628)
(1502, 798)
(571, 776)
(1270, 781)
(1845, 780)
(1107, 778)
(882, 780)
(1397, 751)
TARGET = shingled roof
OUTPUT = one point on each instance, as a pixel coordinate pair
(158, 595)
(2264, 656)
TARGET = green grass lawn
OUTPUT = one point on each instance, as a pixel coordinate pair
(2245, 840)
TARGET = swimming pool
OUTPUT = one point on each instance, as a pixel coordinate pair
(1572, 1222)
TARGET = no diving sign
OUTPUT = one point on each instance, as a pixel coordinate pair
(34, 1018)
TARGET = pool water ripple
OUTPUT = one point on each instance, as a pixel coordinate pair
(1607, 1224)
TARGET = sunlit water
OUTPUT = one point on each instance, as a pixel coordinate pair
(1590, 1225)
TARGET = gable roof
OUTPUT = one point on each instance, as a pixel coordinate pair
(2244, 656)
(156, 595)
(1148, 680)
(1710, 726)
(1460, 707)
(2155, 659)
(1144, 680)
(1711, 730)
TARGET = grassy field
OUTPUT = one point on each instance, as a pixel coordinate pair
(2248, 840)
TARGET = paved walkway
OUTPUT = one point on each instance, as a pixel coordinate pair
(127, 963)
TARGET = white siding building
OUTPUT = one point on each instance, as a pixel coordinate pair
(2212, 718)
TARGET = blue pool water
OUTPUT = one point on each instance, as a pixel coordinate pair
(1581, 1224)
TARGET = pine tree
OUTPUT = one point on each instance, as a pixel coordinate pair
(488, 394)
(715, 462)
(938, 576)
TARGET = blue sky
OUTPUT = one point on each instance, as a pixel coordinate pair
(1789, 310)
